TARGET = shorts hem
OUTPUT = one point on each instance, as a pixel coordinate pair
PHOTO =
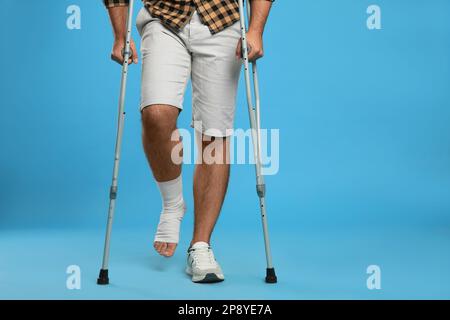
(217, 133)
(168, 102)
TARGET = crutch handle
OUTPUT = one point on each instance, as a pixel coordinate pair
(130, 53)
(249, 49)
(130, 56)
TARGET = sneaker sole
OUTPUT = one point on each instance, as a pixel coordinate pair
(208, 278)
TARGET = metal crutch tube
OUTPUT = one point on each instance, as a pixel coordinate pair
(103, 278)
(254, 116)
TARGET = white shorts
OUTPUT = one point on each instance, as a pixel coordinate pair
(170, 59)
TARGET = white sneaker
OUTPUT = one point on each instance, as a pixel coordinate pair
(201, 264)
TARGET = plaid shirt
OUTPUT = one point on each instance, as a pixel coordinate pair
(216, 14)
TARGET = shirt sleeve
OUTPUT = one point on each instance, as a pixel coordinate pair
(115, 3)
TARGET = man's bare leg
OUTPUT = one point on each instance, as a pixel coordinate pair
(159, 122)
(210, 185)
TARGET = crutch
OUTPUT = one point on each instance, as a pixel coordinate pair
(254, 116)
(127, 54)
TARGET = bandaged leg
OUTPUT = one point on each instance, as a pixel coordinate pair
(173, 210)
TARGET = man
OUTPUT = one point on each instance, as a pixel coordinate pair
(182, 40)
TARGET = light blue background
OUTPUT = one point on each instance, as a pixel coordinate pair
(364, 159)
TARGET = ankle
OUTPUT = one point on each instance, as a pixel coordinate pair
(200, 239)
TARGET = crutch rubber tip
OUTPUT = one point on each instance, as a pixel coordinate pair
(103, 277)
(271, 276)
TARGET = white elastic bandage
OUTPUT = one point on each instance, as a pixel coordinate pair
(173, 209)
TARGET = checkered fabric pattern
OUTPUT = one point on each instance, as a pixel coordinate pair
(216, 14)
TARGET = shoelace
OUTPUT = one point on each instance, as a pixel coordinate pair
(203, 257)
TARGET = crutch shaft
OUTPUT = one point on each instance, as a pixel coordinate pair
(254, 117)
(103, 276)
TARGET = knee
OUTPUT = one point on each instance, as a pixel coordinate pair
(159, 119)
